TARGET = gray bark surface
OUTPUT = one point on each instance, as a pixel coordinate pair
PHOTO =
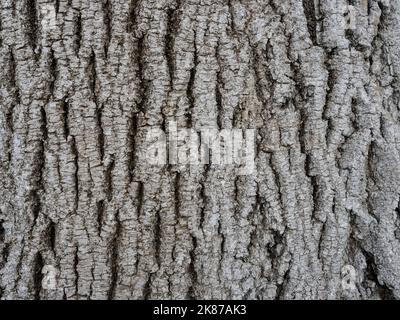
(84, 216)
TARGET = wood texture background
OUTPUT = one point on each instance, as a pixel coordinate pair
(81, 81)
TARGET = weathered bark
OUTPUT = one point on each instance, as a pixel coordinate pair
(81, 81)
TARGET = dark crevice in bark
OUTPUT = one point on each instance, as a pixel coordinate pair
(147, 288)
(75, 268)
(13, 78)
(369, 6)
(257, 76)
(354, 41)
(132, 15)
(203, 196)
(140, 58)
(18, 269)
(108, 179)
(309, 11)
(74, 151)
(92, 76)
(100, 215)
(265, 60)
(157, 237)
(192, 270)
(52, 72)
(36, 204)
(1, 44)
(13, 7)
(353, 118)
(38, 170)
(51, 235)
(382, 6)
(91, 283)
(78, 33)
(322, 235)
(100, 136)
(10, 125)
(276, 180)
(272, 247)
(301, 97)
(221, 247)
(3, 250)
(37, 275)
(370, 170)
(2, 232)
(302, 140)
(169, 43)
(218, 95)
(107, 10)
(57, 6)
(190, 85)
(231, 17)
(253, 238)
(4, 254)
(332, 77)
(329, 56)
(280, 290)
(132, 132)
(114, 256)
(176, 195)
(65, 116)
(397, 221)
(236, 184)
(315, 195)
(43, 128)
(32, 23)
(371, 273)
(140, 198)
(170, 293)
(222, 244)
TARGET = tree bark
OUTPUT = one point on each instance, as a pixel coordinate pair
(83, 215)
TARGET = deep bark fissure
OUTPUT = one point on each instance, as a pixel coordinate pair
(100, 215)
(38, 276)
(192, 270)
(132, 132)
(65, 118)
(75, 269)
(78, 32)
(309, 11)
(114, 257)
(99, 121)
(189, 88)
(109, 179)
(172, 21)
(134, 4)
(32, 23)
(140, 56)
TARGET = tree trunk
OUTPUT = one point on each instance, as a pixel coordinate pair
(84, 214)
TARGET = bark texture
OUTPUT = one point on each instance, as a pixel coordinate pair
(84, 216)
